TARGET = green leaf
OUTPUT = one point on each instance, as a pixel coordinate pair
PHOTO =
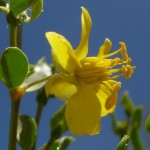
(123, 143)
(136, 119)
(18, 6)
(62, 143)
(147, 124)
(2, 76)
(37, 9)
(58, 123)
(14, 65)
(26, 132)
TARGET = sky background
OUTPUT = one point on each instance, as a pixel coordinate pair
(118, 20)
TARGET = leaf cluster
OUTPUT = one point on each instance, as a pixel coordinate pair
(128, 129)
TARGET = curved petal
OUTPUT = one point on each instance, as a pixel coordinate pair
(83, 112)
(105, 48)
(82, 49)
(61, 86)
(107, 93)
(62, 53)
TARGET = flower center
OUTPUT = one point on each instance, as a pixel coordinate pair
(93, 70)
(98, 69)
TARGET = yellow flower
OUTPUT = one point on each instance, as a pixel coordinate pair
(86, 83)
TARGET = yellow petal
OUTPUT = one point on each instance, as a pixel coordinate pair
(107, 93)
(61, 86)
(83, 112)
(62, 53)
(82, 49)
(105, 48)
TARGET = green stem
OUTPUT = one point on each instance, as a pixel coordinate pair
(13, 35)
(135, 139)
(50, 143)
(41, 101)
(4, 9)
(19, 35)
(13, 124)
(36, 82)
(15, 104)
(37, 119)
(38, 114)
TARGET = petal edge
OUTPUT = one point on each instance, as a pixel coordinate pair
(86, 22)
(62, 53)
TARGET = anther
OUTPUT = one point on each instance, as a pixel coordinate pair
(128, 71)
(124, 53)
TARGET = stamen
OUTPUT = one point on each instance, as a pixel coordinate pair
(90, 73)
(115, 70)
(128, 71)
(128, 60)
(117, 76)
(124, 52)
(91, 60)
(111, 54)
(95, 79)
(116, 61)
(98, 69)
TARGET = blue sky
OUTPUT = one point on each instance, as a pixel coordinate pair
(118, 20)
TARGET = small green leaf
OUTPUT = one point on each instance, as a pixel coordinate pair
(147, 124)
(37, 9)
(58, 123)
(18, 6)
(127, 104)
(14, 67)
(26, 132)
(123, 143)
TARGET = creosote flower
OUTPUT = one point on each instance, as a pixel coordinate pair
(87, 84)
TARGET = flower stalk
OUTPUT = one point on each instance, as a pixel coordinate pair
(15, 105)
(37, 120)
(15, 102)
(36, 82)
